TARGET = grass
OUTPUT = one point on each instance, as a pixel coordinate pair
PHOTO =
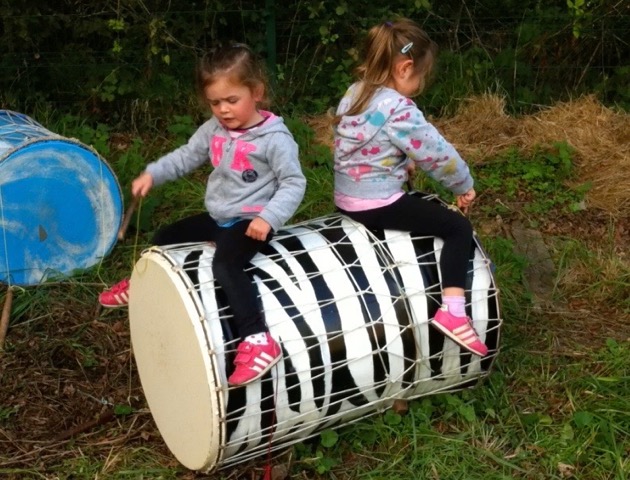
(557, 405)
(538, 416)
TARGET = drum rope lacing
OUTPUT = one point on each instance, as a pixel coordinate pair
(137, 235)
(4, 240)
(102, 217)
(268, 467)
(136, 240)
(4, 231)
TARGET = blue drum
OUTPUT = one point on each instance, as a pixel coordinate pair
(60, 203)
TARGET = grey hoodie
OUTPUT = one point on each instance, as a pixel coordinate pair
(372, 148)
(257, 174)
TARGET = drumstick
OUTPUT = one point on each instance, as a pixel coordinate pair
(4, 320)
(127, 218)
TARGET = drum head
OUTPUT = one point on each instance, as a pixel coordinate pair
(60, 211)
(172, 354)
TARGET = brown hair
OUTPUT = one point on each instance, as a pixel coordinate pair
(385, 43)
(237, 61)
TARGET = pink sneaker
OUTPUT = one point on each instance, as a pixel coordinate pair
(460, 330)
(253, 361)
(116, 296)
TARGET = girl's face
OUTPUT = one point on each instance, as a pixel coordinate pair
(233, 103)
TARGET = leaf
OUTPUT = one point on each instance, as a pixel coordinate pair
(583, 419)
(392, 418)
(329, 438)
(468, 412)
(123, 409)
(530, 418)
(567, 432)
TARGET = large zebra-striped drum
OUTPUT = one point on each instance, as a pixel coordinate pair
(350, 308)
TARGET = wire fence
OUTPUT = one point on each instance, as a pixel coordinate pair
(106, 54)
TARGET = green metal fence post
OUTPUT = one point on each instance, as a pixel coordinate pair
(270, 11)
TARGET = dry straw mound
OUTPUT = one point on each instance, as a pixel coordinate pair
(599, 135)
(481, 128)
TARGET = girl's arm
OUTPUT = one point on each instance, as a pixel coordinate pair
(283, 157)
(184, 159)
(423, 144)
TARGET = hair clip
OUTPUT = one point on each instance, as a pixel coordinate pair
(404, 50)
(389, 24)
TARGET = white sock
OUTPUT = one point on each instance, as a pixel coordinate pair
(456, 305)
(257, 338)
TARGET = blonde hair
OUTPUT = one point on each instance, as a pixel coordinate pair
(239, 63)
(385, 44)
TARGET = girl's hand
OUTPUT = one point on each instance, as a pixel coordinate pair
(258, 229)
(411, 169)
(141, 186)
(465, 201)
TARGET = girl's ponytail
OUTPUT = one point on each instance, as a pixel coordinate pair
(383, 45)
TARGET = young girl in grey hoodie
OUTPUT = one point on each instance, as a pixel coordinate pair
(255, 186)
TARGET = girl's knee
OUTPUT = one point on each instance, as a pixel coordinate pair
(162, 237)
(467, 227)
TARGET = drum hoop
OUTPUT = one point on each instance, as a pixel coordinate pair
(49, 138)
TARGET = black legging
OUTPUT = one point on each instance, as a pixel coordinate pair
(411, 213)
(234, 250)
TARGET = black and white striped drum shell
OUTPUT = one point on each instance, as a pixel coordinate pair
(350, 308)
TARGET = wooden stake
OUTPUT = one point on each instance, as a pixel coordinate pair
(127, 218)
(103, 418)
(6, 313)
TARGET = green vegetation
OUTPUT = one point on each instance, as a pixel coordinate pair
(538, 180)
(130, 62)
(556, 406)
